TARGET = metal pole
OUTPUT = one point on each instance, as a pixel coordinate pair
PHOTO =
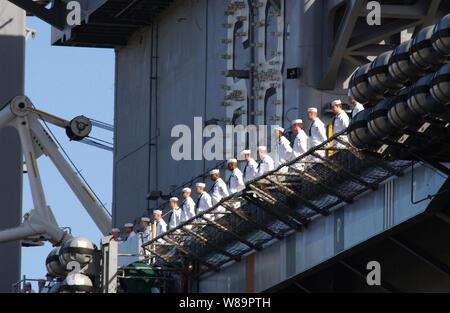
(12, 51)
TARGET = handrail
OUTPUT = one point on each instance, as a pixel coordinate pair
(238, 194)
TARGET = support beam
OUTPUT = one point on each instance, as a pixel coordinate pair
(432, 12)
(322, 185)
(232, 233)
(292, 212)
(339, 168)
(12, 61)
(422, 256)
(371, 50)
(190, 254)
(270, 211)
(207, 242)
(301, 287)
(291, 193)
(443, 217)
(401, 11)
(258, 225)
(279, 213)
(55, 16)
(340, 44)
(167, 261)
(371, 159)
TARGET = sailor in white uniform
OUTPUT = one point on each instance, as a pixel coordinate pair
(145, 229)
(177, 215)
(266, 163)
(317, 131)
(340, 122)
(236, 179)
(283, 149)
(300, 143)
(115, 233)
(159, 224)
(355, 105)
(204, 201)
(301, 139)
(188, 204)
(219, 189)
(251, 166)
(128, 228)
(49, 283)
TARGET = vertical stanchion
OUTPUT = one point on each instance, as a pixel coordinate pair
(12, 47)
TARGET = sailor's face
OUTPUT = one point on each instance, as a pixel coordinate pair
(128, 230)
(186, 195)
(247, 157)
(261, 155)
(115, 235)
(351, 101)
(214, 177)
(199, 190)
(173, 204)
(156, 216)
(231, 166)
(144, 224)
(278, 134)
(335, 109)
(312, 116)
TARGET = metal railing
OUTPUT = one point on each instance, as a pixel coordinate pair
(273, 205)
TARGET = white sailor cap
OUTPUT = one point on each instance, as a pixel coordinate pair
(245, 152)
(278, 128)
(174, 199)
(115, 230)
(186, 190)
(262, 148)
(145, 219)
(336, 102)
(298, 121)
(213, 172)
(128, 225)
(312, 110)
(157, 212)
(201, 185)
(232, 161)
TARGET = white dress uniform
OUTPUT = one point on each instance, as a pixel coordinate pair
(177, 217)
(147, 233)
(236, 181)
(358, 108)
(266, 165)
(250, 170)
(218, 191)
(340, 122)
(204, 202)
(48, 286)
(188, 207)
(317, 135)
(283, 151)
(300, 144)
(130, 235)
(160, 227)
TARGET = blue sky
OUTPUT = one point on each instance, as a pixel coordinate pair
(68, 82)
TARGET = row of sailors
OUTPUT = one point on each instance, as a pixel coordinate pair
(317, 134)
(188, 208)
(220, 189)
